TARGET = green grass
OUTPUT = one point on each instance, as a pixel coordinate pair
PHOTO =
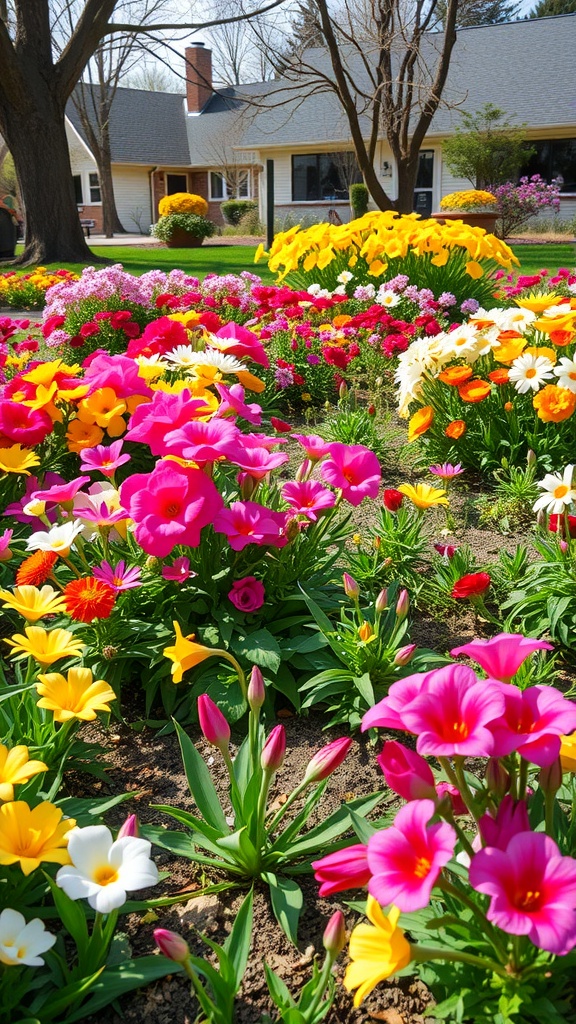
(549, 256)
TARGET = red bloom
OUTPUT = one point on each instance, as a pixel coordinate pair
(557, 524)
(472, 585)
(335, 356)
(280, 426)
(36, 569)
(88, 599)
(393, 499)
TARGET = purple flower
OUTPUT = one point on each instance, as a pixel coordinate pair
(179, 571)
(313, 359)
(118, 578)
(470, 306)
(283, 377)
(446, 299)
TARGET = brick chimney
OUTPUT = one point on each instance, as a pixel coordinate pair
(198, 77)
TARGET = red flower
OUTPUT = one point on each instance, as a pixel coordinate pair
(557, 524)
(472, 585)
(335, 356)
(280, 426)
(392, 499)
(88, 599)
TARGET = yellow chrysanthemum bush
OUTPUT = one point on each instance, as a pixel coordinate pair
(183, 202)
(443, 257)
(468, 200)
(498, 385)
(28, 291)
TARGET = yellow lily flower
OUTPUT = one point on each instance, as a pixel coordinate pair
(32, 603)
(17, 459)
(423, 495)
(376, 952)
(45, 646)
(186, 654)
(15, 768)
(77, 696)
(568, 752)
(29, 836)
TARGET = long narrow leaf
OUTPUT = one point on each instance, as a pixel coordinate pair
(201, 786)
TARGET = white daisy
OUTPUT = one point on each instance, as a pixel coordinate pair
(344, 277)
(513, 319)
(560, 309)
(59, 539)
(529, 372)
(185, 357)
(463, 341)
(386, 297)
(558, 492)
(565, 370)
(182, 356)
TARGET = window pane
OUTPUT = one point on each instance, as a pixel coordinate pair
(216, 185)
(554, 159)
(244, 185)
(77, 179)
(95, 196)
(176, 183)
(305, 178)
(425, 175)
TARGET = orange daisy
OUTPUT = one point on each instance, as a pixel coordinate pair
(420, 422)
(455, 429)
(554, 404)
(36, 569)
(456, 375)
(88, 599)
(499, 376)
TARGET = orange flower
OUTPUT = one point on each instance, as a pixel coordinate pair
(554, 404)
(511, 346)
(36, 569)
(420, 422)
(342, 319)
(475, 390)
(89, 599)
(508, 406)
(499, 376)
(542, 350)
(456, 375)
(561, 338)
(83, 435)
(455, 429)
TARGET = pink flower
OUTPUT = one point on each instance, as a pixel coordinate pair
(151, 422)
(315, 447)
(308, 497)
(354, 470)
(239, 341)
(247, 522)
(344, 869)
(212, 723)
(248, 594)
(118, 578)
(257, 462)
(160, 336)
(233, 404)
(24, 426)
(16, 509)
(169, 506)
(502, 655)
(446, 550)
(105, 460)
(117, 372)
(456, 802)
(407, 858)
(406, 772)
(62, 494)
(532, 723)
(387, 714)
(511, 818)
(5, 538)
(203, 442)
(179, 571)
(327, 760)
(532, 889)
(446, 471)
(274, 750)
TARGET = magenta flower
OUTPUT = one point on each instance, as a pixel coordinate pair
(169, 506)
(5, 538)
(257, 462)
(354, 470)
(446, 471)
(99, 513)
(511, 818)
(150, 422)
(105, 460)
(314, 446)
(406, 772)
(233, 404)
(502, 655)
(446, 789)
(238, 341)
(308, 498)
(446, 550)
(274, 750)
(406, 859)
(532, 723)
(344, 869)
(118, 578)
(248, 594)
(212, 723)
(532, 889)
(22, 425)
(247, 522)
(201, 442)
(327, 759)
(117, 372)
(16, 509)
(62, 494)
(179, 571)
(387, 714)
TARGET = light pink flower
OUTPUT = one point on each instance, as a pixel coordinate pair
(406, 859)
(406, 772)
(203, 442)
(502, 655)
(314, 446)
(105, 460)
(257, 462)
(511, 818)
(248, 594)
(169, 506)
(354, 470)
(179, 571)
(308, 497)
(532, 889)
(118, 578)
(446, 471)
(532, 723)
(233, 404)
(344, 869)
(247, 522)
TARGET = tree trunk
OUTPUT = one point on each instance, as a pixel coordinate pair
(407, 170)
(111, 223)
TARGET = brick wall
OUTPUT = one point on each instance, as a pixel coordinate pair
(94, 213)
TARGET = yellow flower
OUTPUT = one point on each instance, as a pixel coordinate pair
(29, 836)
(376, 952)
(45, 646)
(423, 495)
(78, 696)
(17, 460)
(538, 303)
(186, 654)
(468, 199)
(16, 768)
(32, 603)
(568, 753)
(183, 202)
(104, 408)
(420, 422)
(365, 632)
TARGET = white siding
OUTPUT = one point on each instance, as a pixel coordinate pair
(132, 194)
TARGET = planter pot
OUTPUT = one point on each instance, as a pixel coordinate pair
(474, 218)
(181, 239)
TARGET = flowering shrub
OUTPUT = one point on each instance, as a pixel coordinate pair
(472, 199)
(191, 223)
(518, 203)
(28, 291)
(183, 202)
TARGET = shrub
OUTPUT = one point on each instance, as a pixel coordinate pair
(183, 202)
(518, 203)
(200, 227)
(359, 197)
(235, 209)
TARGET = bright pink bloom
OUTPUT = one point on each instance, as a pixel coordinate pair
(117, 372)
(406, 859)
(169, 506)
(151, 422)
(511, 818)
(62, 494)
(179, 571)
(308, 497)
(446, 550)
(104, 460)
(129, 828)
(272, 757)
(5, 538)
(456, 802)
(16, 509)
(248, 594)
(98, 512)
(327, 760)
(342, 870)
(203, 442)
(334, 938)
(502, 655)
(160, 336)
(257, 462)
(233, 404)
(532, 889)
(406, 772)
(238, 341)
(387, 714)
(446, 471)
(353, 469)
(22, 425)
(532, 723)
(171, 945)
(314, 446)
(247, 522)
(214, 726)
(118, 578)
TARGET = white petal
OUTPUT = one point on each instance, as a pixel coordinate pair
(11, 924)
(108, 898)
(90, 847)
(75, 884)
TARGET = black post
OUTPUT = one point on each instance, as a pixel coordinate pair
(269, 203)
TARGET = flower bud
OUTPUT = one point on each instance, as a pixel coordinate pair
(550, 777)
(343, 390)
(404, 655)
(377, 543)
(496, 777)
(365, 631)
(291, 529)
(381, 602)
(445, 791)
(530, 458)
(406, 772)
(392, 499)
(563, 545)
(371, 410)
(542, 518)
(212, 723)
(351, 588)
(256, 689)
(247, 485)
(171, 945)
(152, 562)
(303, 471)
(130, 827)
(327, 760)
(402, 605)
(334, 938)
(272, 757)
(344, 869)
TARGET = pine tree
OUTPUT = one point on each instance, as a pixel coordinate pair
(549, 8)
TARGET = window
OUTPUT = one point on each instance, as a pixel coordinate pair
(79, 198)
(176, 183)
(424, 183)
(318, 177)
(94, 183)
(236, 187)
(554, 159)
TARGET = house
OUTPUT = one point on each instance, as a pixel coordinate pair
(211, 140)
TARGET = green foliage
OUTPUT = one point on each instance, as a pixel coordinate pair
(359, 197)
(510, 506)
(487, 148)
(550, 8)
(235, 209)
(200, 227)
(391, 550)
(544, 602)
(351, 425)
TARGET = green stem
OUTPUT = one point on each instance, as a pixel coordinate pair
(522, 780)
(322, 984)
(280, 814)
(549, 803)
(465, 791)
(234, 791)
(479, 914)
(423, 953)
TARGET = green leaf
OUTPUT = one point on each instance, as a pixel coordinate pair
(201, 786)
(287, 903)
(262, 649)
(62, 999)
(278, 990)
(239, 845)
(335, 825)
(73, 918)
(365, 688)
(117, 981)
(237, 944)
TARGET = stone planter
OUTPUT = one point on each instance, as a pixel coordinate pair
(473, 218)
(181, 239)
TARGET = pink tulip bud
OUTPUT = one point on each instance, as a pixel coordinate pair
(171, 945)
(272, 757)
(342, 390)
(563, 545)
(402, 605)
(404, 655)
(344, 869)
(381, 602)
(406, 772)
(351, 588)
(447, 790)
(303, 471)
(212, 722)
(334, 938)
(550, 777)
(497, 778)
(130, 827)
(327, 760)
(256, 689)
